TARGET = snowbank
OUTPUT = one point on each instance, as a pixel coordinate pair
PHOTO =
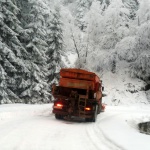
(121, 127)
(13, 111)
(123, 90)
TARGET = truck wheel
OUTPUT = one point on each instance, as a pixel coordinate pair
(57, 116)
(95, 114)
(99, 109)
(88, 119)
(93, 119)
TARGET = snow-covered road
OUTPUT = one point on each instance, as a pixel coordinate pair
(34, 127)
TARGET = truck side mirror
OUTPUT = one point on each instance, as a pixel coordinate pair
(102, 88)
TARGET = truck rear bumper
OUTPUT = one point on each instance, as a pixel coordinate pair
(60, 112)
(86, 115)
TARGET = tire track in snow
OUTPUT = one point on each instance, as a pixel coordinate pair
(100, 141)
(98, 137)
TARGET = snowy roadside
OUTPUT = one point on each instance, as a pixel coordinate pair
(120, 125)
(13, 111)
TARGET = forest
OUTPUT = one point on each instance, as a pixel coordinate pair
(37, 36)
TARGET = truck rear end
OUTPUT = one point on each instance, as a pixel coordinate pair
(78, 94)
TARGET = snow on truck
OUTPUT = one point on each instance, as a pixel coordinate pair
(79, 94)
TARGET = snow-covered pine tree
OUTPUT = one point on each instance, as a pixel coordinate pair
(12, 49)
(3, 85)
(33, 19)
(8, 74)
(55, 42)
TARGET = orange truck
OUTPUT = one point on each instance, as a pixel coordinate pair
(79, 94)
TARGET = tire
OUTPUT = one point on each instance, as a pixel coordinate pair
(88, 119)
(95, 114)
(99, 109)
(93, 119)
(57, 116)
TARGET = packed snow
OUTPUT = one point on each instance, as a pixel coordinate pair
(34, 127)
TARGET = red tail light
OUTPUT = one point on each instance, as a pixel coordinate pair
(58, 106)
(87, 108)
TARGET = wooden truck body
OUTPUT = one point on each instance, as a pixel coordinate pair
(79, 94)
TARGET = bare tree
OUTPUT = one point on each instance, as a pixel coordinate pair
(76, 48)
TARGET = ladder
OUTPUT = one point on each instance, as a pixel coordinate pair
(82, 103)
